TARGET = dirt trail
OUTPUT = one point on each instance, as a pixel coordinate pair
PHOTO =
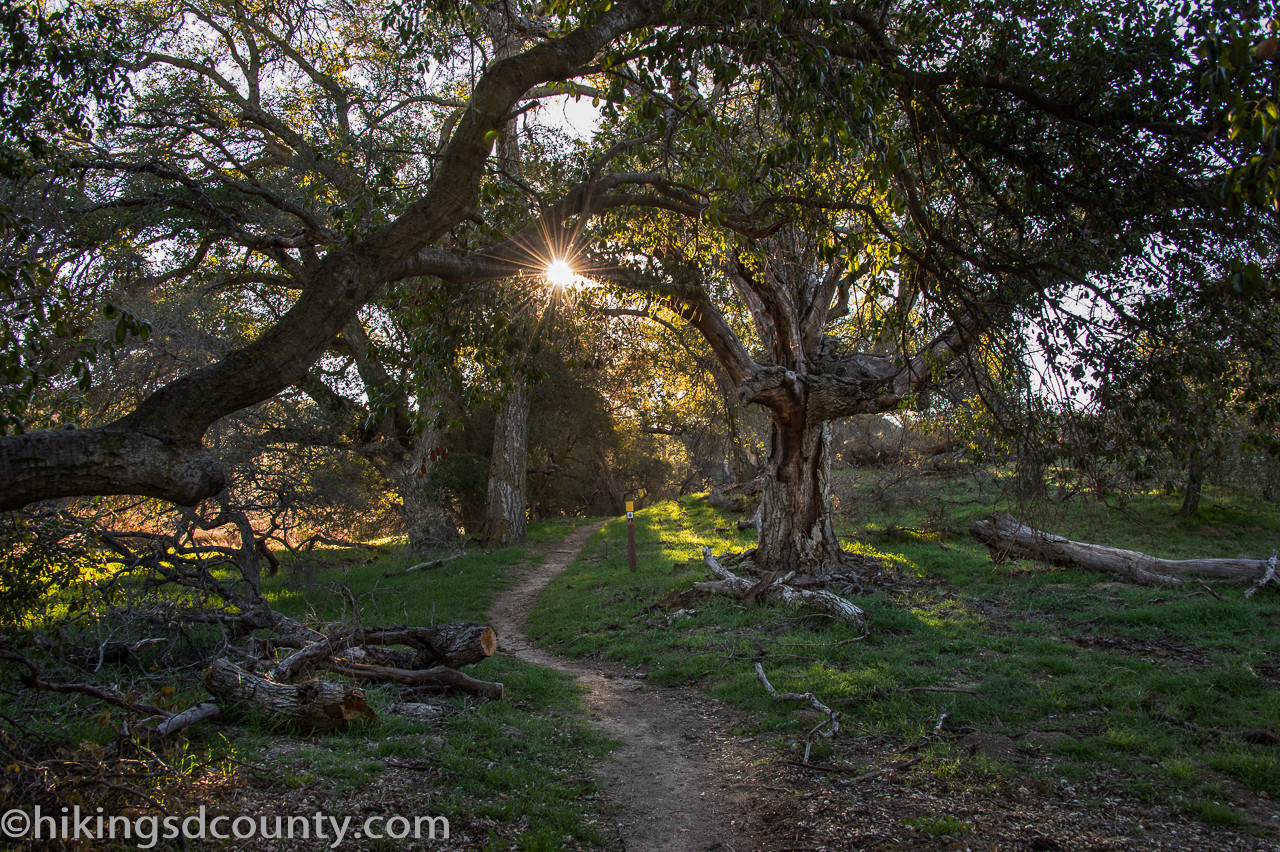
(680, 780)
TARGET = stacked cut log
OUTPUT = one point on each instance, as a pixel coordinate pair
(415, 656)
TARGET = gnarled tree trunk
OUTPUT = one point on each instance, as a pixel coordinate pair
(505, 512)
(796, 529)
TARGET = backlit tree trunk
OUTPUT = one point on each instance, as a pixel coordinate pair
(505, 509)
(809, 379)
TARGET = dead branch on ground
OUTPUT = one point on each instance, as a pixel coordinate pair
(1006, 537)
(779, 591)
(832, 722)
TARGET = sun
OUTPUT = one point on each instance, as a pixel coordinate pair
(560, 274)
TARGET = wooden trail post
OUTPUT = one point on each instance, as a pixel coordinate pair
(631, 535)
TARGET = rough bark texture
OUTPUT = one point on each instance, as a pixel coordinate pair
(38, 465)
(426, 523)
(438, 676)
(316, 705)
(795, 524)
(1006, 537)
(505, 511)
(455, 645)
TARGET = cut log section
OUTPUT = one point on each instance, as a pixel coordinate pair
(454, 645)
(438, 676)
(1006, 537)
(316, 705)
(734, 586)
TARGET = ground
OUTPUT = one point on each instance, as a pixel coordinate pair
(991, 707)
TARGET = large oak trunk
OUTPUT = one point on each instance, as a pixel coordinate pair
(505, 510)
(796, 531)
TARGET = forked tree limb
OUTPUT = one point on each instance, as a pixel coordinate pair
(1006, 537)
(832, 722)
(32, 680)
(1268, 577)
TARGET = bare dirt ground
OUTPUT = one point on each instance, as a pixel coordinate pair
(680, 779)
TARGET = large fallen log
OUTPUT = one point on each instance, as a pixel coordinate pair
(459, 644)
(777, 590)
(454, 645)
(1006, 537)
(438, 676)
(316, 705)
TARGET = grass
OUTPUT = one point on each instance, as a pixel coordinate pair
(522, 764)
(1149, 685)
(1144, 688)
(511, 774)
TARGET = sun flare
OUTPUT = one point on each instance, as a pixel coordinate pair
(560, 274)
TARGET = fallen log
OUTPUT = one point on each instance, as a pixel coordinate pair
(1007, 537)
(309, 655)
(454, 645)
(317, 705)
(732, 585)
(437, 676)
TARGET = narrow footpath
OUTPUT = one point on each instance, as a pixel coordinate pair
(680, 781)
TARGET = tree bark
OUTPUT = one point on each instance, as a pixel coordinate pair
(192, 715)
(316, 705)
(796, 529)
(438, 676)
(1006, 537)
(454, 645)
(426, 523)
(1191, 496)
(505, 510)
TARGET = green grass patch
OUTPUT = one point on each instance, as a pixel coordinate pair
(1138, 682)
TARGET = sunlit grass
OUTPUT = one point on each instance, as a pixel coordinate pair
(1011, 649)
